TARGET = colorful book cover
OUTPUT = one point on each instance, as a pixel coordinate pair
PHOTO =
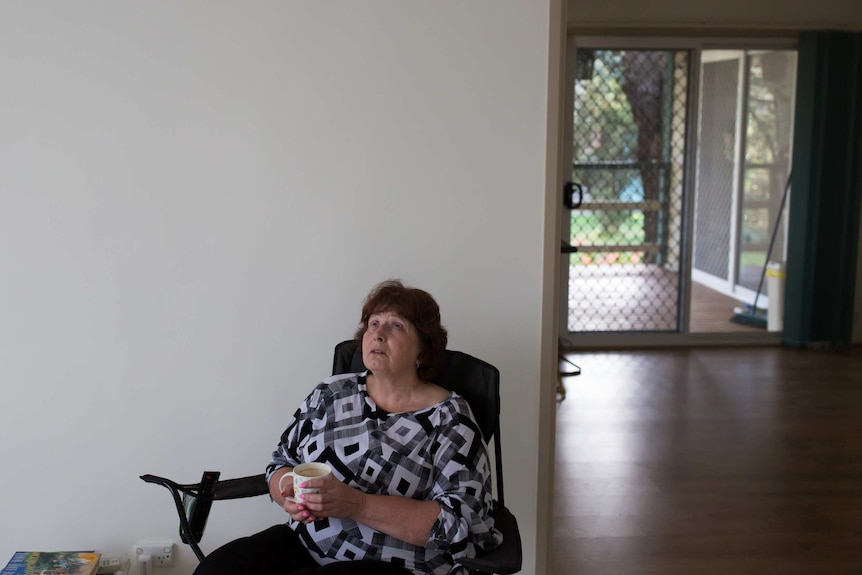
(52, 563)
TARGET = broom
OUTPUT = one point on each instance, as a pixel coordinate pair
(748, 314)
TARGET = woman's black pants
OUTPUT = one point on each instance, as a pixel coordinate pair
(278, 551)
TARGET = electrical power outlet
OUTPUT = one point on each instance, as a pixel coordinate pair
(161, 553)
(114, 564)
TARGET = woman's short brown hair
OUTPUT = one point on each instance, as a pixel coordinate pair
(419, 308)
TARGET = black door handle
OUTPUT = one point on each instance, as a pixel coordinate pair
(569, 195)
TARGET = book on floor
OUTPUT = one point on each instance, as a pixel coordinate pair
(52, 563)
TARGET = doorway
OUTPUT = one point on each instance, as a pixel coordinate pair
(678, 156)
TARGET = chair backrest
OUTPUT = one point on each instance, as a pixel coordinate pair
(475, 380)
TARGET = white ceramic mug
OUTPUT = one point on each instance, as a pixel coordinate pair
(302, 473)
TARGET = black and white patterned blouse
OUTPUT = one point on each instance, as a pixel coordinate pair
(435, 454)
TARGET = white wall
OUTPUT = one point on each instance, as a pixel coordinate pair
(194, 199)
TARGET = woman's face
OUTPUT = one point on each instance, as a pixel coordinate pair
(390, 346)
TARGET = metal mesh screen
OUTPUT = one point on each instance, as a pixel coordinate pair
(629, 157)
(769, 123)
(715, 172)
(743, 163)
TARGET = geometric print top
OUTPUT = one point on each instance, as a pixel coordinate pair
(436, 453)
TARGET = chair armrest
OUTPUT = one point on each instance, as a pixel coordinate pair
(167, 483)
(504, 559)
(250, 486)
(175, 489)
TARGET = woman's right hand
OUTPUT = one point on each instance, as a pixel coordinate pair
(297, 511)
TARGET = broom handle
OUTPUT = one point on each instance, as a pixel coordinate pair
(771, 242)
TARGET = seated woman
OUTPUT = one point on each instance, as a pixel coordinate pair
(410, 487)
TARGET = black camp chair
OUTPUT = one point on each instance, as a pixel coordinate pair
(477, 381)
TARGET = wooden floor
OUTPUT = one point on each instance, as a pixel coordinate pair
(718, 461)
(711, 312)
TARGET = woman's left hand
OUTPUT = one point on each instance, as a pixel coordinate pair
(335, 499)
